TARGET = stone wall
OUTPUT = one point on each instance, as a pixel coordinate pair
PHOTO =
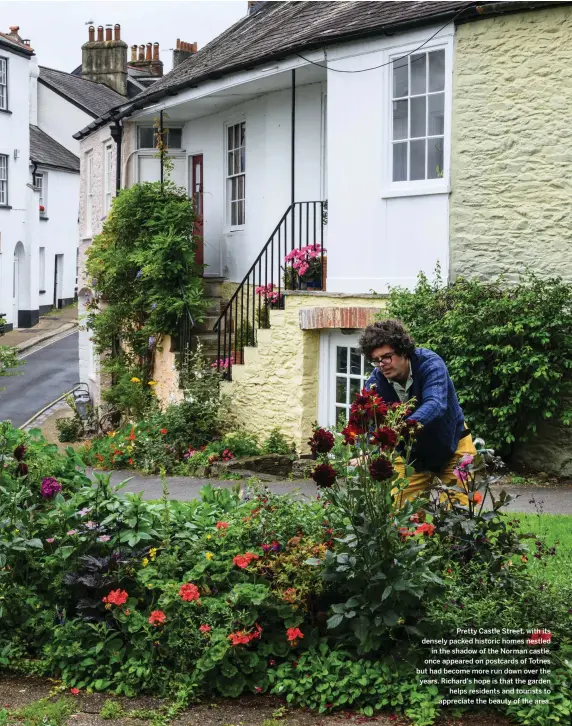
(278, 384)
(511, 158)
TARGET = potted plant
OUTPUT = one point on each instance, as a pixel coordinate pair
(304, 268)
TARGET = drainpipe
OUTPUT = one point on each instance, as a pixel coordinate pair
(116, 132)
(293, 151)
(162, 141)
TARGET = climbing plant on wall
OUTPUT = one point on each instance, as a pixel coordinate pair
(142, 267)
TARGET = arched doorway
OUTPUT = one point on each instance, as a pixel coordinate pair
(17, 281)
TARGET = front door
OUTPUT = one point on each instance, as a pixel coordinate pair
(197, 196)
(58, 280)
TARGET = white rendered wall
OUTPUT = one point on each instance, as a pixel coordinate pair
(59, 118)
(14, 137)
(376, 236)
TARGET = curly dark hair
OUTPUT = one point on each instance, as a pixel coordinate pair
(386, 332)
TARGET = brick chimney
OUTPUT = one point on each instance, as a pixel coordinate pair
(15, 37)
(105, 61)
(182, 52)
(147, 59)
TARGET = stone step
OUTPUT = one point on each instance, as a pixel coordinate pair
(212, 287)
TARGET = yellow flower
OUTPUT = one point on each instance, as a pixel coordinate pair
(111, 434)
(153, 553)
(135, 380)
(145, 562)
(152, 383)
(150, 586)
(209, 555)
(209, 536)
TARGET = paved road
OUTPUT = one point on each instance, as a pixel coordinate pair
(550, 500)
(49, 370)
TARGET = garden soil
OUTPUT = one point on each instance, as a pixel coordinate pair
(16, 692)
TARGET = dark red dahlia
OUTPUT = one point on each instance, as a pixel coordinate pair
(19, 452)
(22, 469)
(321, 442)
(385, 437)
(381, 469)
(324, 475)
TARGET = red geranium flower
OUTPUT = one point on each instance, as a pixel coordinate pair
(404, 533)
(157, 617)
(74, 691)
(116, 597)
(321, 442)
(189, 592)
(381, 469)
(385, 437)
(244, 560)
(324, 475)
(477, 497)
(164, 431)
(293, 635)
(242, 637)
(222, 525)
(205, 628)
(425, 528)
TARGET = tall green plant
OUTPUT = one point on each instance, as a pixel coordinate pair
(508, 348)
(9, 361)
(144, 271)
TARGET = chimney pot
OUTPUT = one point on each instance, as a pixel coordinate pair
(155, 51)
(148, 51)
(133, 52)
(14, 29)
(91, 34)
(99, 33)
(108, 34)
(117, 32)
(141, 52)
(178, 43)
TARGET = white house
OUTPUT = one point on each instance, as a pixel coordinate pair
(39, 186)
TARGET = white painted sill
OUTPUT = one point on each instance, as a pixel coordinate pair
(411, 191)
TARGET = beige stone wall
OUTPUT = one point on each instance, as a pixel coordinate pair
(278, 383)
(511, 157)
(166, 375)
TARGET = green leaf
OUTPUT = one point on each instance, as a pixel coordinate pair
(335, 620)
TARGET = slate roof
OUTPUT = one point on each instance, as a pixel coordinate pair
(48, 152)
(93, 98)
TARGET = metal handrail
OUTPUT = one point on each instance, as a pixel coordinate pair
(301, 225)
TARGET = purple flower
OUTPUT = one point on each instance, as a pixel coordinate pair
(51, 540)
(139, 274)
(84, 511)
(91, 525)
(152, 341)
(50, 487)
(104, 538)
(275, 546)
(266, 548)
(94, 282)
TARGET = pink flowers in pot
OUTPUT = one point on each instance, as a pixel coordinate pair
(269, 293)
(306, 261)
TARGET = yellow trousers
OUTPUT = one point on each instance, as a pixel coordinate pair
(421, 481)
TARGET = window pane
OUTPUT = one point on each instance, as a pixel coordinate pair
(233, 213)
(341, 389)
(355, 387)
(230, 171)
(435, 158)
(242, 129)
(175, 138)
(230, 137)
(146, 138)
(436, 114)
(418, 73)
(2, 97)
(418, 116)
(236, 142)
(341, 415)
(355, 362)
(242, 160)
(234, 189)
(400, 119)
(400, 72)
(437, 70)
(417, 160)
(240, 192)
(400, 162)
(341, 359)
(241, 214)
(236, 155)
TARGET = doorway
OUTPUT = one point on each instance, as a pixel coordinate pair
(197, 197)
(58, 281)
(17, 282)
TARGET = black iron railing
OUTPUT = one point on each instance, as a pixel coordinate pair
(262, 288)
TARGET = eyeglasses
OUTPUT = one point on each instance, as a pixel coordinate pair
(383, 359)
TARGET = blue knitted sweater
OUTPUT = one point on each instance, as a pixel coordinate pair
(436, 407)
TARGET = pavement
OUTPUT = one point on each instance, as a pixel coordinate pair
(50, 369)
(51, 325)
(533, 500)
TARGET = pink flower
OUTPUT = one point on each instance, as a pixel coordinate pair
(205, 628)
(74, 691)
(104, 538)
(222, 525)
(71, 532)
(51, 540)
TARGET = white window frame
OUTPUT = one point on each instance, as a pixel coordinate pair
(42, 269)
(4, 170)
(155, 135)
(3, 84)
(42, 187)
(329, 341)
(421, 186)
(89, 196)
(235, 175)
(107, 177)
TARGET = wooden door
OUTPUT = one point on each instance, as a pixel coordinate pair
(197, 196)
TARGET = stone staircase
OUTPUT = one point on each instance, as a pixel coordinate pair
(203, 332)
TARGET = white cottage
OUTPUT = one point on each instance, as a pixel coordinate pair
(304, 123)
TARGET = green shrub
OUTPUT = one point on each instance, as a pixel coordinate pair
(241, 444)
(111, 711)
(277, 443)
(70, 429)
(508, 349)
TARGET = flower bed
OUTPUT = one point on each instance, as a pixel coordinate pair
(323, 602)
